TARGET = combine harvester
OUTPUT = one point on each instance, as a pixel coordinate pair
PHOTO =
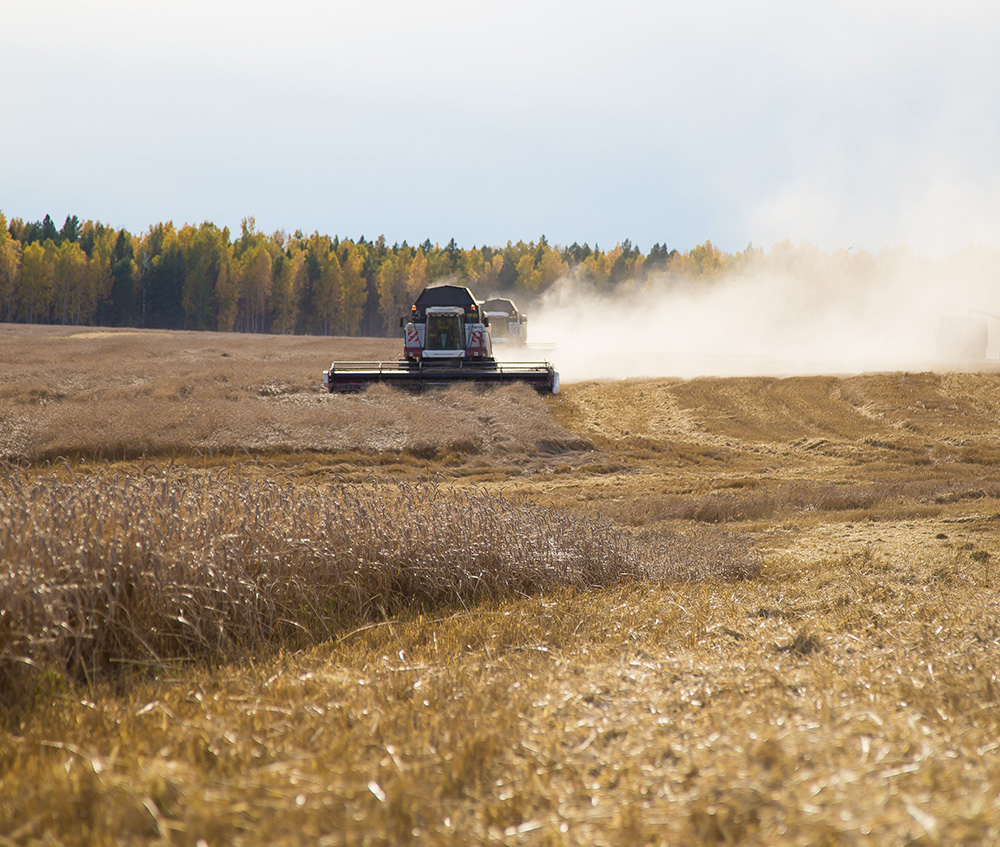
(446, 340)
(507, 324)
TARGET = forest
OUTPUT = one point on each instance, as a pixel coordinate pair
(207, 278)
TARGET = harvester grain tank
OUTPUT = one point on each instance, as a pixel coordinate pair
(446, 340)
(507, 324)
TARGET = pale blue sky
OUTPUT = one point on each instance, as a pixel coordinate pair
(860, 124)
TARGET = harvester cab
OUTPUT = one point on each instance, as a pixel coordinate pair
(444, 335)
(507, 324)
(446, 340)
(446, 323)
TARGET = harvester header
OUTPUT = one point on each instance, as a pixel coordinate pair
(446, 340)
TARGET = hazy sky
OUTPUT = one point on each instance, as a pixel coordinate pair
(842, 124)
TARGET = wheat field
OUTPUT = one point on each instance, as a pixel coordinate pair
(237, 610)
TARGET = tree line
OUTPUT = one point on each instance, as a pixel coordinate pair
(207, 278)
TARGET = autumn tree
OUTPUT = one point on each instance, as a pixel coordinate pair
(354, 287)
(550, 267)
(256, 281)
(595, 269)
(493, 273)
(626, 262)
(393, 294)
(511, 254)
(289, 279)
(323, 285)
(15, 229)
(37, 276)
(10, 261)
(207, 258)
(528, 278)
(705, 260)
(439, 262)
(69, 281)
(537, 269)
(416, 275)
(161, 278)
(480, 270)
(98, 279)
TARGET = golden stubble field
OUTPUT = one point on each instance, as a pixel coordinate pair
(236, 610)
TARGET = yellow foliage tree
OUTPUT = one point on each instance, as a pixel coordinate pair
(97, 287)
(69, 282)
(416, 276)
(492, 279)
(551, 267)
(37, 276)
(472, 268)
(706, 260)
(10, 260)
(288, 281)
(527, 278)
(353, 287)
(326, 291)
(256, 281)
(207, 258)
(596, 269)
(393, 296)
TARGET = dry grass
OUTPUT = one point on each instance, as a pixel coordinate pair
(753, 502)
(828, 674)
(932, 416)
(849, 701)
(129, 395)
(459, 422)
(110, 570)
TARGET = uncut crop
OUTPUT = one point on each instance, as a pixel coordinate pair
(129, 395)
(112, 570)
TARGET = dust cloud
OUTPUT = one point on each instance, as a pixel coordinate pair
(793, 310)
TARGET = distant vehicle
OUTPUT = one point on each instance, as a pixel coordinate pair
(507, 324)
(446, 340)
